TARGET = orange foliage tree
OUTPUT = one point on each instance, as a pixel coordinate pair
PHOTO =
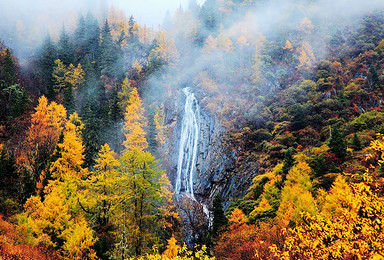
(43, 135)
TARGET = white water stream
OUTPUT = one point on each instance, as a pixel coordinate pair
(190, 129)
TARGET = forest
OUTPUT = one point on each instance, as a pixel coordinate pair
(238, 129)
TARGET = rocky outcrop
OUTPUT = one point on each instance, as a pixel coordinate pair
(217, 167)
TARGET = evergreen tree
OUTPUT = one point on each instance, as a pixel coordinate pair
(80, 37)
(69, 100)
(108, 51)
(91, 134)
(8, 70)
(319, 166)
(132, 31)
(151, 133)
(219, 219)
(193, 7)
(337, 144)
(356, 142)
(167, 21)
(210, 17)
(92, 36)
(288, 160)
(374, 77)
(65, 49)
(17, 100)
(115, 118)
(46, 64)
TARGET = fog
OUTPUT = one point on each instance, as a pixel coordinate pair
(24, 23)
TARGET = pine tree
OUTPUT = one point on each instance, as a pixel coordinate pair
(356, 142)
(115, 118)
(46, 64)
(193, 7)
(132, 31)
(337, 144)
(374, 77)
(69, 100)
(219, 219)
(80, 36)
(211, 17)
(8, 70)
(91, 134)
(108, 51)
(288, 160)
(92, 36)
(65, 49)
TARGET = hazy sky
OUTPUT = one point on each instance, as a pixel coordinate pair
(150, 12)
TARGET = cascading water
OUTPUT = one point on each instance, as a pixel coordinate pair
(186, 164)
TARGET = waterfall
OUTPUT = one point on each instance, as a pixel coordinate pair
(186, 164)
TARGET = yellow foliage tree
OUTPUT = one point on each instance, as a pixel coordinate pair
(165, 50)
(296, 195)
(59, 76)
(159, 124)
(224, 42)
(172, 248)
(49, 223)
(237, 218)
(306, 56)
(349, 226)
(258, 62)
(136, 66)
(67, 76)
(72, 157)
(43, 135)
(210, 44)
(288, 45)
(59, 221)
(306, 25)
(74, 75)
(101, 185)
(134, 123)
(124, 94)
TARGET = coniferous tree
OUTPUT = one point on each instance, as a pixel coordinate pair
(93, 34)
(210, 17)
(8, 70)
(65, 49)
(373, 77)
(115, 118)
(337, 144)
(69, 100)
(288, 160)
(151, 133)
(91, 134)
(108, 51)
(219, 219)
(140, 189)
(134, 123)
(80, 37)
(46, 64)
(193, 7)
(356, 142)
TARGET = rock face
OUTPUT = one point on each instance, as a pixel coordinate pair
(217, 167)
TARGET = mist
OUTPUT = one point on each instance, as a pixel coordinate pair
(24, 24)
